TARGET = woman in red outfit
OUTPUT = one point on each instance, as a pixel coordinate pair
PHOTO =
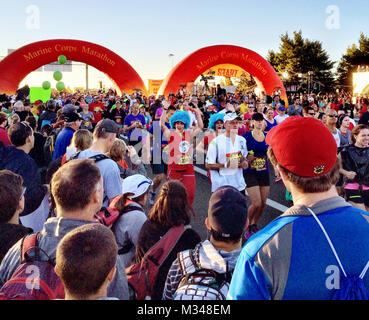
(180, 147)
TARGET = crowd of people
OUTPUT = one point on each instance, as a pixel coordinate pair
(75, 178)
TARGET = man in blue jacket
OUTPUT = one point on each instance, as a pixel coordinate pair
(292, 258)
(15, 158)
(72, 123)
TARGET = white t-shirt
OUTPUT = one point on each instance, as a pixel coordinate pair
(336, 137)
(193, 119)
(219, 150)
(280, 118)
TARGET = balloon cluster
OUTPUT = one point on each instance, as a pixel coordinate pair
(58, 76)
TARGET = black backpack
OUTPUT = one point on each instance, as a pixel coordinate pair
(49, 147)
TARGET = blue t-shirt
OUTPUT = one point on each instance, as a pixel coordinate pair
(259, 150)
(290, 259)
(270, 125)
(63, 141)
(159, 140)
(137, 133)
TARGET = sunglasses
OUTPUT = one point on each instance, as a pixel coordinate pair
(332, 116)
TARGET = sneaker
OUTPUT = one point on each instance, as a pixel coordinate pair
(277, 179)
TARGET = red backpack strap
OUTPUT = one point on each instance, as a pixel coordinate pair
(167, 242)
(28, 242)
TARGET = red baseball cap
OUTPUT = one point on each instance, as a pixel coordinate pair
(303, 146)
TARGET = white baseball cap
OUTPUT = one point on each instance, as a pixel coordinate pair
(136, 184)
(231, 117)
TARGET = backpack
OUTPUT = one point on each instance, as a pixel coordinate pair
(97, 158)
(351, 287)
(142, 276)
(110, 215)
(34, 279)
(198, 283)
(49, 148)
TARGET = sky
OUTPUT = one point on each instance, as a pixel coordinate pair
(145, 32)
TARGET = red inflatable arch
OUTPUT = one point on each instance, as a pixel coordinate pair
(200, 61)
(16, 66)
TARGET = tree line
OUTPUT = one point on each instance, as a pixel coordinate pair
(299, 58)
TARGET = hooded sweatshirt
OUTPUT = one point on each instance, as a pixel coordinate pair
(54, 230)
(205, 256)
(19, 162)
(9, 235)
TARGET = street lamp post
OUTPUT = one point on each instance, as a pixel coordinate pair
(171, 56)
(310, 73)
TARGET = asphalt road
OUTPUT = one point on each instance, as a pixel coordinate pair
(275, 205)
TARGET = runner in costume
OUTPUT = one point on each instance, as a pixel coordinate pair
(180, 164)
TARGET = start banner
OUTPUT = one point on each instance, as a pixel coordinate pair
(154, 86)
(227, 70)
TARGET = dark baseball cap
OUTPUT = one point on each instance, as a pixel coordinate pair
(69, 108)
(227, 212)
(71, 117)
(108, 125)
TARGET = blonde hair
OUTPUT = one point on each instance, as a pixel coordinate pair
(13, 119)
(82, 139)
(118, 150)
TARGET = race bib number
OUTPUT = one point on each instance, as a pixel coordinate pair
(233, 157)
(258, 164)
(184, 147)
(185, 159)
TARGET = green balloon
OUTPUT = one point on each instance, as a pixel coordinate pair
(60, 86)
(46, 85)
(58, 75)
(62, 59)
